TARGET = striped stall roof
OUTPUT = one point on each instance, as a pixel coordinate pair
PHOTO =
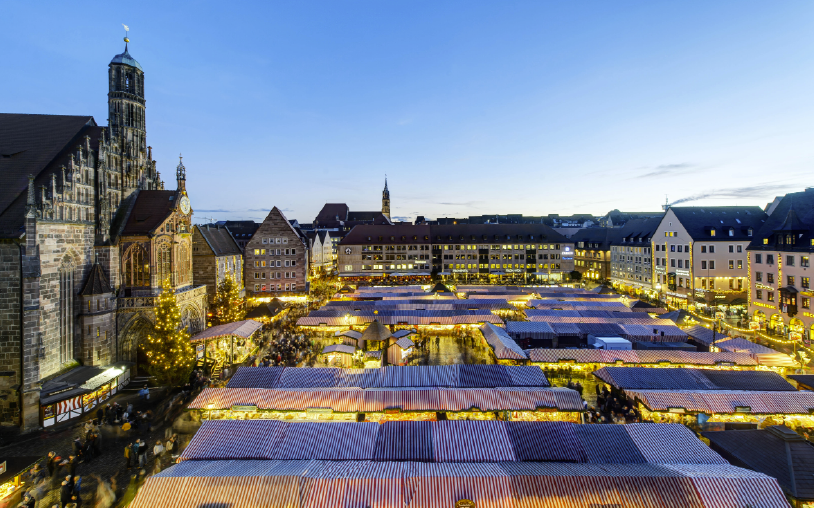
(600, 329)
(339, 348)
(235, 439)
(671, 443)
(482, 376)
(645, 378)
(443, 485)
(405, 441)
(351, 400)
(360, 378)
(558, 355)
(530, 329)
(255, 377)
(360, 484)
(614, 355)
(653, 333)
(727, 401)
(328, 441)
(504, 346)
(309, 378)
(405, 343)
(608, 444)
(526, 375)
(420, 376)
(546, 441)
(741, 345)
(570, 329)
(582, 485)
(472, 441)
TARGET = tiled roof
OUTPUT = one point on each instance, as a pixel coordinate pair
(97, 283)
(802, 220)
(35, 145)
(219, 240)
(151, 209)
(644, 378)
(699, 220)
(333, 211)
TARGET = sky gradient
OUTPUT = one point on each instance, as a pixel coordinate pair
(468, 107)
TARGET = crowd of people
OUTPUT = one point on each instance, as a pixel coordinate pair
(286, 352)
(612, 406)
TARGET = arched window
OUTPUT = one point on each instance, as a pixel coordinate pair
(164, 262)
(66, 310)
(136, 267)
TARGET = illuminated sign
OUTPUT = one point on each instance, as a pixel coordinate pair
(242, 407)
(685, 273)
(679, 410)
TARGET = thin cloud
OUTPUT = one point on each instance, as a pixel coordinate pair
(750, 192)
(462, 203)
(667, 169)
(215, 211)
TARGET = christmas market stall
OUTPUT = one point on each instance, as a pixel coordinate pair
(477, 392)
(15, 479)
(504, 347)
(489, 464)
(269, 312)
(339, 355)
(222, 346)
(712, 399)
(80, 390)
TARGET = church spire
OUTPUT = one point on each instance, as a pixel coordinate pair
(181, 174)
(386, 200)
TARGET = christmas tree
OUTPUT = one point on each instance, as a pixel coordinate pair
(227, 306)
(168, 349)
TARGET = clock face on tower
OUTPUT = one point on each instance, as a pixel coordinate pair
(185, 205)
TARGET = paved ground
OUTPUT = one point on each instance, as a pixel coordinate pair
(110, 465)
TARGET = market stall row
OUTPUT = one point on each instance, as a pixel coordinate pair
(420, 404)
(546, 333)
(580, 358)
(643, 378)
(294, 484)
(325, 318)
(413, 304)
(80, 391)
(449, 376)
(448, 441)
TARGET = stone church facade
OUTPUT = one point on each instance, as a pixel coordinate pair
(87, 235)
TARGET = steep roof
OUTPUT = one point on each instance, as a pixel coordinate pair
(35, 145)
(495, 232)
(97, 283)
(638, 230)
(700, 220)
(597, 238)
(333, 212)
(794, 212)
(776, 451)
(152, 207)
(375, 331)
(219, 240)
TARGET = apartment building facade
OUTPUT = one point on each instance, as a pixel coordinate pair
(699, 255)
(632, 256)
(275, 259)
(780, 273)
(471, 252)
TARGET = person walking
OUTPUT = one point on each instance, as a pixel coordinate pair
(65, 493)
(158, 451)
(77, 486)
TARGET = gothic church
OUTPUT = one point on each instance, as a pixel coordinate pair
(87, 235)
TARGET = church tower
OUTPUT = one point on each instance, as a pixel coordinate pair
(128, 124)
(386, 200)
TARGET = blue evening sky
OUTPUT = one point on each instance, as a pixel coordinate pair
(469, 107)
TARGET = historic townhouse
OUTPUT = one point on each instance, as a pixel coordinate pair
(592, 251)
(632, 255)
(215, 254)
(87, 234)
(276, 259)
(699, 254)
(780, 290)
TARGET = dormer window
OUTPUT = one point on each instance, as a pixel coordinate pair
(749, 232)
(712, 232)
(731, 232)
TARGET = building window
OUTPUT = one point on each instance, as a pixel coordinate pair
(703, 249)
(806, 302)
(804, 282)
(759, 276)
(770, 278)
(769, 259)
(66, 294)
(164, 262)
(804, 261)
(789, 260)
(704, 283)
(703, 265)
(136, 267)
(740, 264)
(791, 280)
(712, 249)
(712, 265)
(759, 294)
(770, 296)
(759, 258)
(732, 248)
(740, 248)
(731, 264)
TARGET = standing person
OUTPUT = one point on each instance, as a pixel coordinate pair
(77, 486)
(142, 451)
(128, 454)
(158, 451)
(71, 465)
(52, 463)
(65, 493)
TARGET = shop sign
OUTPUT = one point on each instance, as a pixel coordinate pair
(743, 409)
(460, 270)
(676, 295)
(247, 407)
(664, 364)
(514, 270)
(679, 410)
(685, 273)
(392, 411)
(754, 325)
(464, 503)
(199, 351)
(796, 336)
(319, 410)
(725, 364)
(761, 286)
(3, 468)
(720, 297)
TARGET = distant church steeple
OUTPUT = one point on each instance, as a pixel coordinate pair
(386, 200)
(181, 174)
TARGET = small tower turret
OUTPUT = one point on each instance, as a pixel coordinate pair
(386, 200)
